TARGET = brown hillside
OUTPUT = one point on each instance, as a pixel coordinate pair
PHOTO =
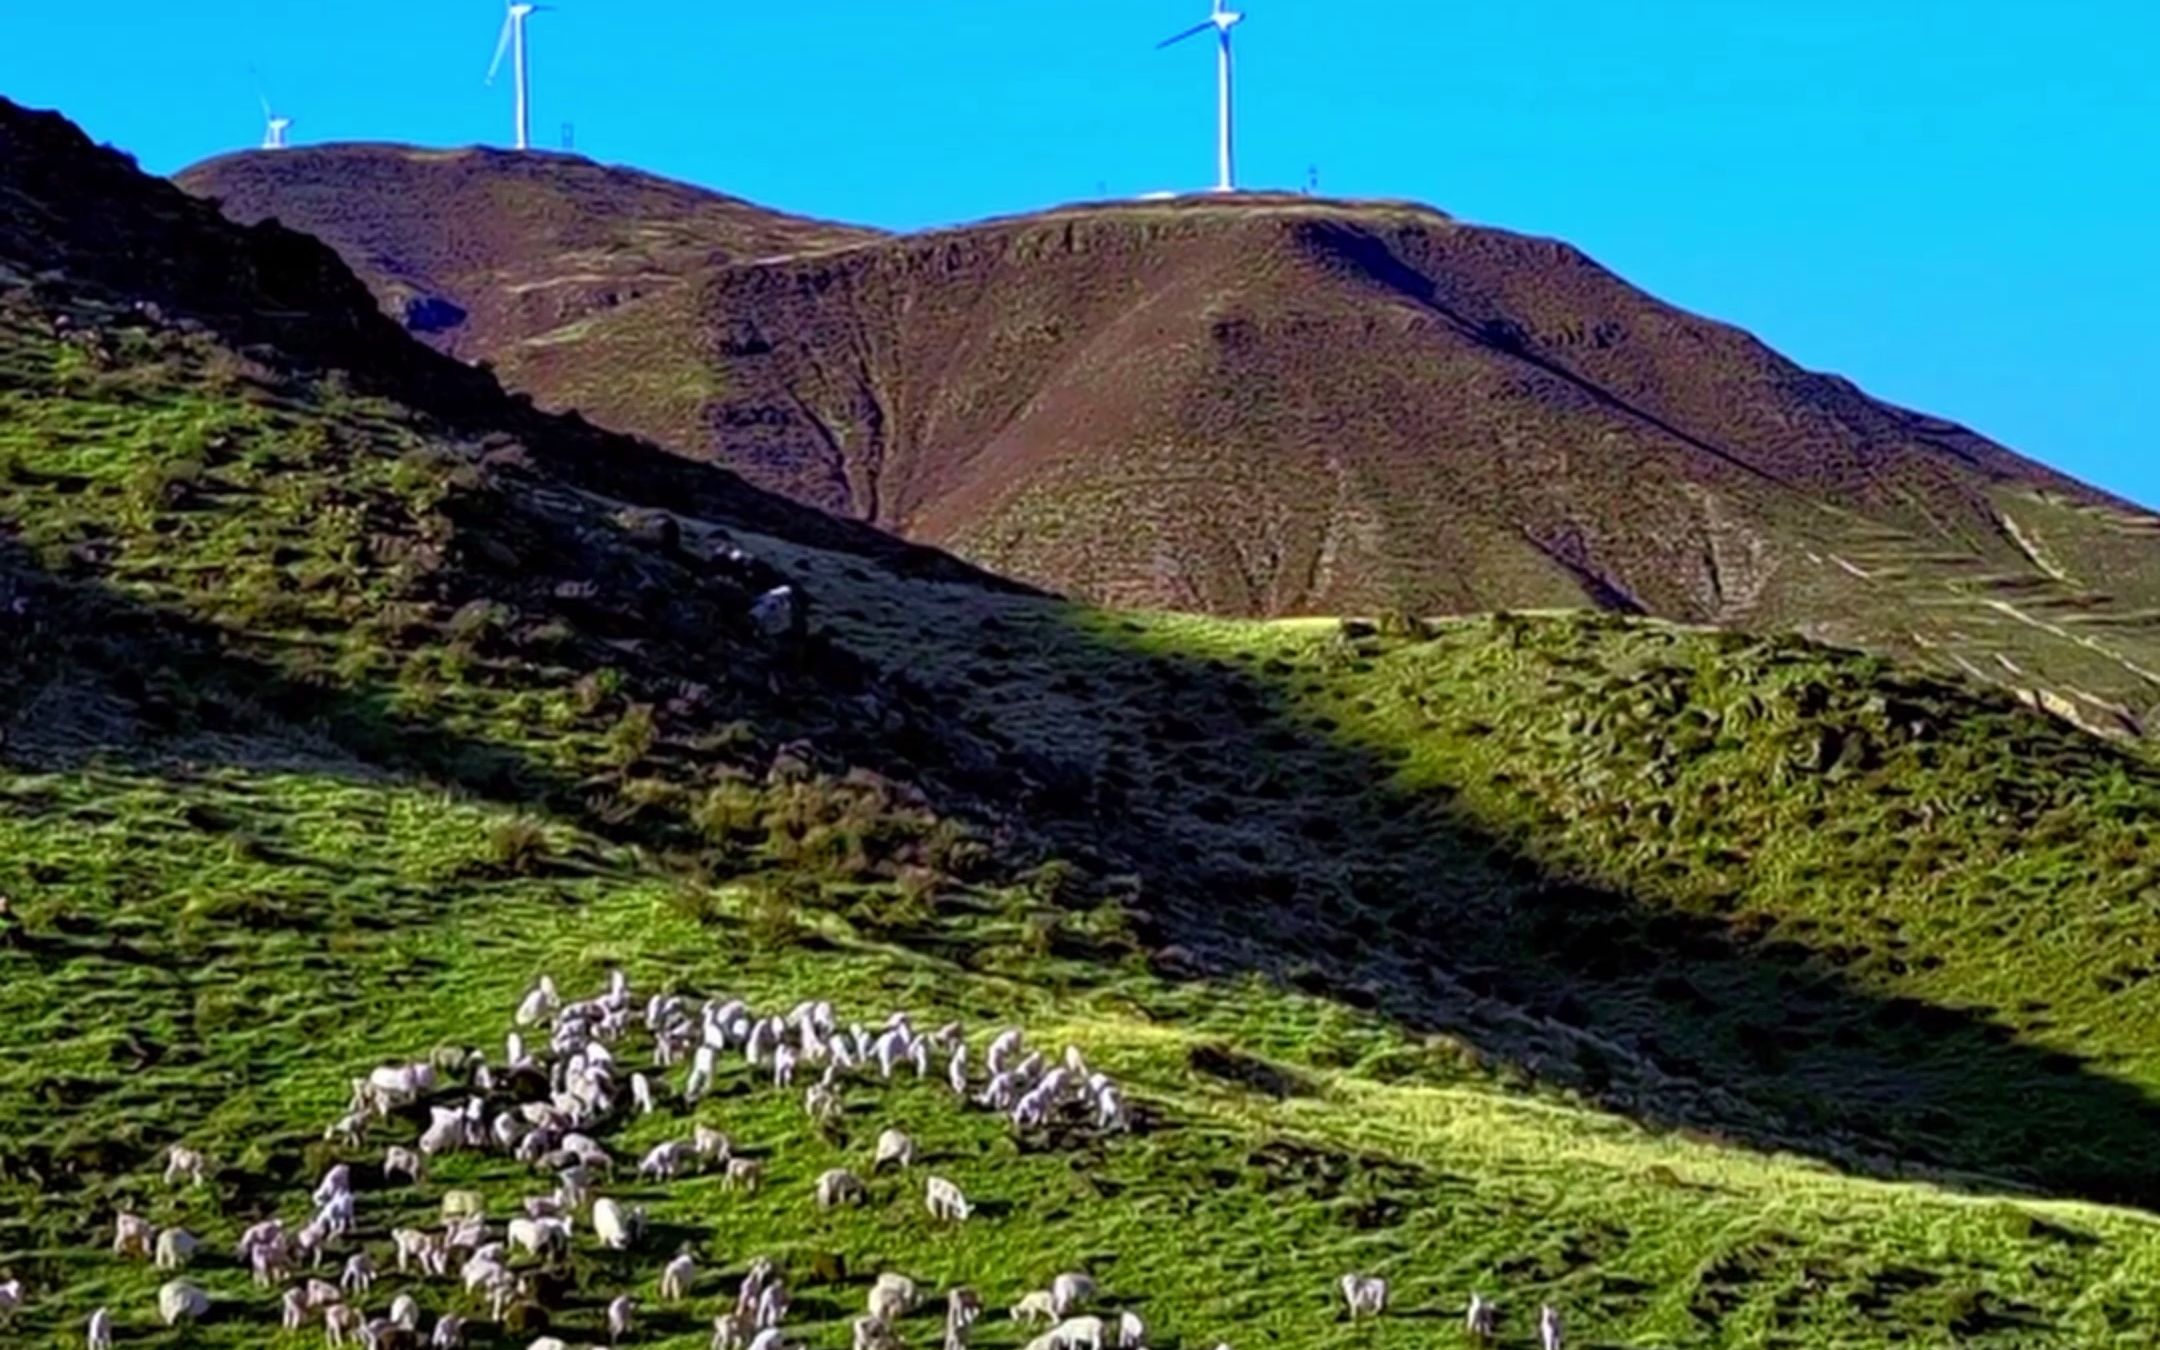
(1277, 405)
(477, 250)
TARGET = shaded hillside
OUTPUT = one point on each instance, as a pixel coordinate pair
(1716, 989)
(478, 250)
(1281, 406)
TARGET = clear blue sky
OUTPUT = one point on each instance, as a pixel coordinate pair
(1954, 202)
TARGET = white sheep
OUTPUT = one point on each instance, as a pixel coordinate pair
(12, 1297)
(360, 1273)
(641, 1094)
(956, 1071)
(840, 1187)
(539, 1237)
(1077, 1333)
(133, 1236)
(335, 1182)
(1131, 1331)
(550, 1343)
(1002, 1048)
(293, 1310)
(946, 1202)
(873, 1333)
(185, 1164)
(711, 1145)
(895, 1148)
(963, 1308)
(619, 1315)
(1551, 1335)
(1069, 1291)
(744, 1174)
(768, 1339)
(1038, 1306)
(893, 1297)
(405, 1312)
(613, 1225)
(1482, 1321)
(181, 1301)
(341, 1322)
(449, 1332)
(407, 1163)
(176, 1247)
(822, 1104)
(98, 1335)
(665, 1161)
(1366, 1295)
(677, 1277)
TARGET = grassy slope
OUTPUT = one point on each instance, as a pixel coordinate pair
(227, 919)
(1664, 975)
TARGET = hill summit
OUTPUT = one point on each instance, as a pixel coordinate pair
(1265, 405)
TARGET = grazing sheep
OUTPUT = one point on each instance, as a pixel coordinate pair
(175, 1248)
(727, 1333)
(449, 1332)
(613, 1225)
(1039, 1306)
(404, 1162)
(893, 1297)
(360, 1273)
(665, 1162)
(336, 1182)
(821, 1104)
(676, 1279)
(539, 1237)
(293, 1309)
(895, 1148)
(1551, 1335)
(1131, 1331)
(133, 1236)
(405, 1312)
(1364, 1295)
(1002, 1048)
(641, 1094)
(341, 1322)
(956, 1071)
(181, 1301)
(840, 1187)
(99, 1334)
(768, 1339)
(946, 1202)
(963, 1308)
(1482, 1321)
(12, 1297)
(1069, 1291)
(550, 1343)
(619, 1313)
(873, 1333)
(185, 1164)
(409, 1245)
(744, 1174)
(711, 1145)
(1077, 1333)
(321, 1294)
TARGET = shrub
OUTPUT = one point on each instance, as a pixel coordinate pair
(519, 847)
(632, 737)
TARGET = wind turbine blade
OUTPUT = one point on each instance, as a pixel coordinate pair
(502, 46)
(1192, 32)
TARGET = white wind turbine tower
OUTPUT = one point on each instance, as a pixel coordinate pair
(274, 127)
(1222, 21)
(513, 36)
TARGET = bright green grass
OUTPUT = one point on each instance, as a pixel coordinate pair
(1425, 876)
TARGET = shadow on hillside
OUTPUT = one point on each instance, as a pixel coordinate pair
(1265, 842)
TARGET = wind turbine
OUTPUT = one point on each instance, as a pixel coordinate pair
(513, 35)
(1222, 21)
(274, 127)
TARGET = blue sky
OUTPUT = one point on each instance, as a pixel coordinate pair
(1953, 202)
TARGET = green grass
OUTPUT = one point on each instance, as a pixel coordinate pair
(1720, 990)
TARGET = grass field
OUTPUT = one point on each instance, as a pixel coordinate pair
(1717, 989)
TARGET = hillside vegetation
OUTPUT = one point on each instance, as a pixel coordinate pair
(1282, 405)
(1718, 990)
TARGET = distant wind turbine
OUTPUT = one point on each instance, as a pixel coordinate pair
(1222, 21)
(274, 127)
(513, 35)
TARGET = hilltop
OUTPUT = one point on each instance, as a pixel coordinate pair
(1718, 988)
(1282, 405)
(479, 250)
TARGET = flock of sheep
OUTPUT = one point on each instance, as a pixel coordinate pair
(546, 1104)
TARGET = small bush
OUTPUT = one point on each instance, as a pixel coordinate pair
(632, 737)
(519, 847)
